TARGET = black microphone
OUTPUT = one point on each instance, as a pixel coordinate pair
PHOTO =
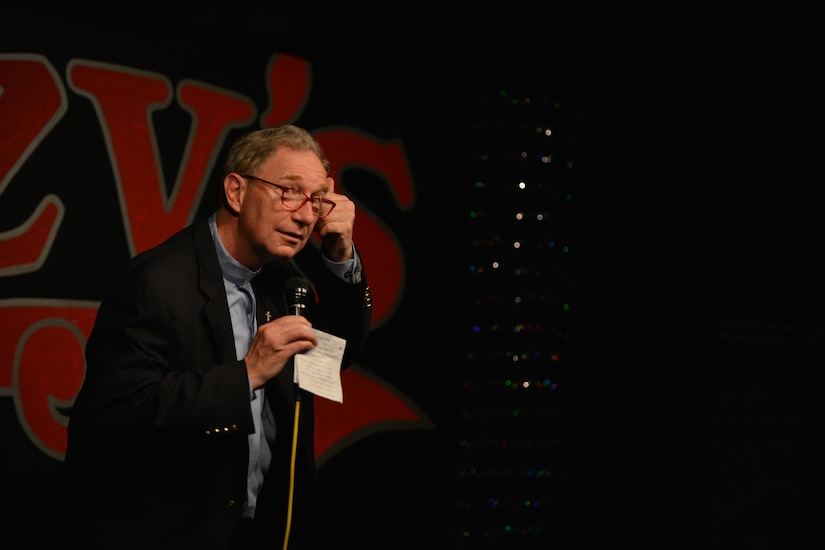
(296, 295)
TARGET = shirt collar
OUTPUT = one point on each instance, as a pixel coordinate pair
(232, 270)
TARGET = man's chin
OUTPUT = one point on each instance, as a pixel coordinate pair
(287, 250)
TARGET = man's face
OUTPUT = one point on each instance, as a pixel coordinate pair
(269, 228)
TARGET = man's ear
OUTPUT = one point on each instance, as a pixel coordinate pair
(234, 188)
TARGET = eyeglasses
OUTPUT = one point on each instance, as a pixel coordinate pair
(293, 199)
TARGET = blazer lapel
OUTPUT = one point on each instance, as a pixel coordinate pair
(210, 283)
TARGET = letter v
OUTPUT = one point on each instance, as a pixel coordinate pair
(124, 99)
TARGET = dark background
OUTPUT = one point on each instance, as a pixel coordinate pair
(694, 398)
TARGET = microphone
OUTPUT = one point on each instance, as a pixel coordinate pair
(296, 295)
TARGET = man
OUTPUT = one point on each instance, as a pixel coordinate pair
(189, 431)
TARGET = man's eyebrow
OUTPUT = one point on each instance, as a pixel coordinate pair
(298, 180)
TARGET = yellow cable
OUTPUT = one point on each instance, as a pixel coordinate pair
(292, 473)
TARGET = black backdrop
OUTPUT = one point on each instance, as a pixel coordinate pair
(697, 402)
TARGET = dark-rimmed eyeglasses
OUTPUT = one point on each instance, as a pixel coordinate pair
(294, 199)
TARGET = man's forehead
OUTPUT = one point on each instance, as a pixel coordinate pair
(305, 167)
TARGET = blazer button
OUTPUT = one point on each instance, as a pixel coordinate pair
(230, 504)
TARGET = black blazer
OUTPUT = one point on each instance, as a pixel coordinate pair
(157, 440)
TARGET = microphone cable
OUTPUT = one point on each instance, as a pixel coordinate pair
(292, 469)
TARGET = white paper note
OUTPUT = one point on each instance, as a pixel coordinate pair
(319, 369)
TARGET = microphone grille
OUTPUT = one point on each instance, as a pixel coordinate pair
(294, 283)
(296, 293)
